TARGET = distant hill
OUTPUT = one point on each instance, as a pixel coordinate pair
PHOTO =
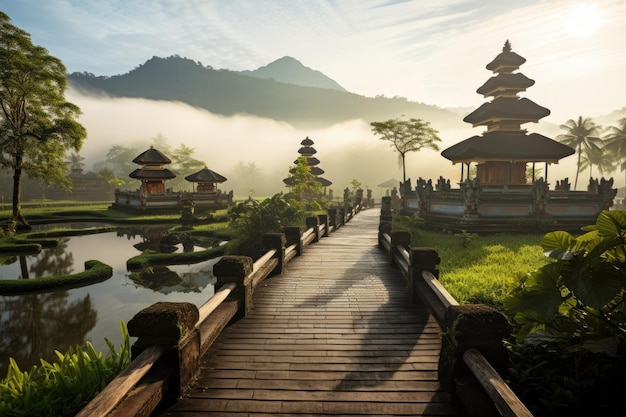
(228, 93)
(291, 71)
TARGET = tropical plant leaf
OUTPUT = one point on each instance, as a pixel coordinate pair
(596, 286)
(611, 223)
(556, 240)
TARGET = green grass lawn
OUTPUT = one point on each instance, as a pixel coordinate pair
(483, 269)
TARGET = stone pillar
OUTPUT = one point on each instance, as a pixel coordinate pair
(323, 219)
(275, 241)
(173, 326)
(313, 222)
(422, 259)
(342, 216)
(293, 235)
(399, 239)
(383, 227)
(472, 326)
(332, 218)
(236, 269)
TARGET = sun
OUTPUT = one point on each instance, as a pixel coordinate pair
(583, 20)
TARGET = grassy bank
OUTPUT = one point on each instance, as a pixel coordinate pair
(483, 269)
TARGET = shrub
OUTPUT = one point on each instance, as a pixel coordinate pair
(63, 387)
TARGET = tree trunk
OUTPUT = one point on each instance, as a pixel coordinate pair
(577, 169)
(17, 191)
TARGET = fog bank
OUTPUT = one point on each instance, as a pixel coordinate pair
(346, 151)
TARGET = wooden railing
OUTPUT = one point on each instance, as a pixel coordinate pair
(172, 337)
(473, 333)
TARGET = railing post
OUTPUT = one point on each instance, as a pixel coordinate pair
(173, 326)
(332, 218)
(342, 216)
(275, 241)
(236, 269)
(323, 220)
(399, 238)
(422, 259)
(312, 221)
(383, 228)
(472, 326)
(293, 235)
(386, 215)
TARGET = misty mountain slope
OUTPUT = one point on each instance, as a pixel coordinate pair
(291, 71)
(228, 93)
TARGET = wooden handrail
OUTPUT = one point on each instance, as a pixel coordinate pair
(439, 290)
(502, 396)
(212, 303)
(117, 389)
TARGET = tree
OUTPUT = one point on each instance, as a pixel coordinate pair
(75, 161)
(37, 125)
(615, 143)
(183, 164)
(582, 135)
(303, 183)
(407, 136)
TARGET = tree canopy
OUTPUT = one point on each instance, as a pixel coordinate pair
(407, 136)
(37, 125)
(582, 135)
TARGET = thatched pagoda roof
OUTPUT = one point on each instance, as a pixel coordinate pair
(507, 108)
(508, 146)
(205, 175)
(152, 157)
(152, 174)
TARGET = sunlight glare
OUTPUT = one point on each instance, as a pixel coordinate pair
(583, 20)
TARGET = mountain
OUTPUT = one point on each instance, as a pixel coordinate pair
(228, 93)
(291, 71)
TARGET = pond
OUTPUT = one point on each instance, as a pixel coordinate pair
(34, 326)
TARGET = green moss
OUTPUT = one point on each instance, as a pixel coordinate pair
(150, 258)
(95, 271)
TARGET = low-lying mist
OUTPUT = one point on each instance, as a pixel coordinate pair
(255, 154)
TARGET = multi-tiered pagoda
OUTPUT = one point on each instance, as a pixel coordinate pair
(308, 151)
(504, 196)
(504, 150)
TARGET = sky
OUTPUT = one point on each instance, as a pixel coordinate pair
(429, 51)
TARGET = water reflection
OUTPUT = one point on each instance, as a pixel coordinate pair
(33, 326)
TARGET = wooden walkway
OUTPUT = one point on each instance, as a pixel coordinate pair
(334, 335)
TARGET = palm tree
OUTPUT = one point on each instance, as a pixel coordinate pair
(75, 162)
(582, 135)
(615, 143)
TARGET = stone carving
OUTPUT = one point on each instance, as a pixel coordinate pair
(471, 190)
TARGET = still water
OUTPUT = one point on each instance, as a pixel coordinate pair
(34, 326)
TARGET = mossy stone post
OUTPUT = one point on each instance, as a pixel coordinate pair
(383, 228)
(323, 220)
(422, 259)
(386, 214)
(342, 216)
(400, 239)
(471, 326)
(293, 236)
(173, 326)
(275, 241)
(332, 218)
(313, 222)
(236, 269)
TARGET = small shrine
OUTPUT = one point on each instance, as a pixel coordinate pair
(506, 194)
(152, 173)
(153, 195)
(206, 180)
(308, 151)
